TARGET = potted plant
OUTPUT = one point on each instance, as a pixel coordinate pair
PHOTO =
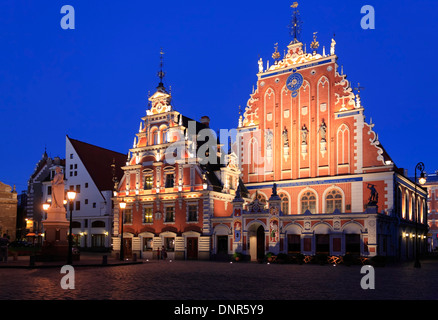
(269, 256)
(237, 256)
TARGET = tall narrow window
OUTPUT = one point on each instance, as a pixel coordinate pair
(169, 180)
(128, 215)
(333, 201)
(147, 215)
(308, 202)
(193, 213)
(148, 182)
(155, 137)
(170, 214)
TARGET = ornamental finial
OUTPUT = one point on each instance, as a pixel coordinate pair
(296, 23)
(161, 73)
(276, 54)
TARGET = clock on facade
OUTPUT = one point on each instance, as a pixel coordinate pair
(294, 83)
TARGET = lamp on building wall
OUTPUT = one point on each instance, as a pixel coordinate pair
(422, 180)
(122, 205)
(71, 195)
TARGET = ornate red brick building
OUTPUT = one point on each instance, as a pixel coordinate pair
(308, 174)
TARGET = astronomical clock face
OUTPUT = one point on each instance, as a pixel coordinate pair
(294, 83)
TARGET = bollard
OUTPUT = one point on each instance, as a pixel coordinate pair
(32, 261)
(105, 260)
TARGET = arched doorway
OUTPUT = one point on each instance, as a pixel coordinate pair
(256, 234)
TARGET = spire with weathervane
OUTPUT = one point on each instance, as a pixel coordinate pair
(160, 100)
(296, 24)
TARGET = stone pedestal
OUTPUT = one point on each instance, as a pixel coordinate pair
(56, 226)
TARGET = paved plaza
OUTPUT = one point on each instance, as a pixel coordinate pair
(207, 280)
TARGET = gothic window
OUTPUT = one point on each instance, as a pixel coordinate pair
(333, 201)
(284, 203)
(253, 155)
(343, 144)
(308, 202)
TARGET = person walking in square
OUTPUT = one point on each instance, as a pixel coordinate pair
(4, 243)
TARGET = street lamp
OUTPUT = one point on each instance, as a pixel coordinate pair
(71, 195)
(422, 180)
(122, 205)
(46, 207)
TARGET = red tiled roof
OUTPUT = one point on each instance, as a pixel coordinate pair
(98, 163)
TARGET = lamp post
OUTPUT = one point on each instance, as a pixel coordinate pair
(71, 195)
(46, 207)
(122, 205)
(422, 180)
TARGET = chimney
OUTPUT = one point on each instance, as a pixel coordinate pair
(205, 120)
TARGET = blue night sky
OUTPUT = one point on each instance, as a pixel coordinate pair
(92, 82)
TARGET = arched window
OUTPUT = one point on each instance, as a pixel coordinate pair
(284, 203)
(261, 198)
(308, 202)
(333, 201)
(406, 212)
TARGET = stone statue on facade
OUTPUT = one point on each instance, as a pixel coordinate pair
(374, 196)
(323, 130)
(304, 132)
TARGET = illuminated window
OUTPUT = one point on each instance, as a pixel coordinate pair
(333, 201)
(308, 202)
(148, 181)
(169, 244)
(147, 215)
(148, 244)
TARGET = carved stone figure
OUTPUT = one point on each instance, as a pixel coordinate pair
(374, 196)
(58, 189)
(332, 47)
(285, 138)
(260, 65)
(304, 132)
(323, 130)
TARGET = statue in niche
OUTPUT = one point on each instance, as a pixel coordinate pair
(285, 138)
(323, 130)
(269, 136)
(374, 196)
(58, 189)
(304, 133)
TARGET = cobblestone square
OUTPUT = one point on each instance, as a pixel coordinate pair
(206, 280)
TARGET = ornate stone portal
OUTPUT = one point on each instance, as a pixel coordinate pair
(55, 246)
